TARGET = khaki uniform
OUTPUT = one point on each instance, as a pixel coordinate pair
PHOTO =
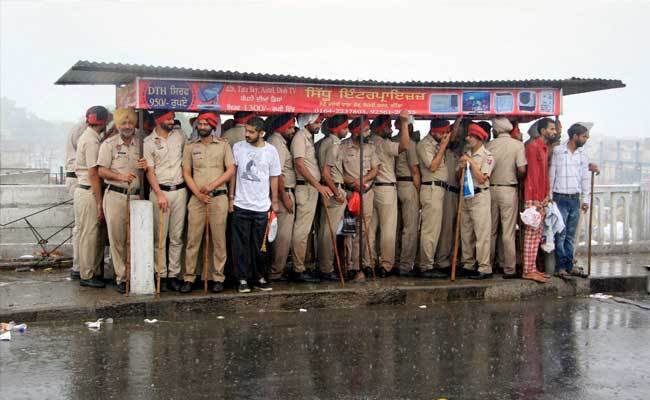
(208, 163)
(282, 242)
(165, 156)
(384, 215)
(409, 202)
(71, 184)
(476, 220)
(449, 209)
(432, 194)
(508, 154)
(235, 134)
(86, 212)
(302, 146)
(120, 158)
(350, 150)
(329, 153)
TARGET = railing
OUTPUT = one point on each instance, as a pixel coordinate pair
(621, 219)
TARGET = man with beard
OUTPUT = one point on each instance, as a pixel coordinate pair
(385, 196)
(408, 185)
(238, 132)
(570, 181)
(258, 169)
(88, 212)
(283, 130)
(331, 165)
(163, 151)
(119, 161)
(307, 189)
(208, 165)
(431, 154)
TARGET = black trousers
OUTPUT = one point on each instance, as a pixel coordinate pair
(248, 228)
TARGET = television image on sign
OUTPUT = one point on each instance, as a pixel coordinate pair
(527, 101)
(504, 103)
(209, 95)
(547, 102)
(476, 101)
(443, 103)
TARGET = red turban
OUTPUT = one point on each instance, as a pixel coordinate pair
(358, 128)
(210, 117)
(476, 131)
(164, 116)
(340, 128)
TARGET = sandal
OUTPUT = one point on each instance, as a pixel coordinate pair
(544, 274)
(579, 272)
(534, 277)
(563, 274)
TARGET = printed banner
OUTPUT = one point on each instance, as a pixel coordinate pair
(227, 97)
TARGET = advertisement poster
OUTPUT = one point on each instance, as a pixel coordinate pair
(267, 98)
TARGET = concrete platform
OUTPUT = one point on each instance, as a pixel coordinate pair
(39, 295)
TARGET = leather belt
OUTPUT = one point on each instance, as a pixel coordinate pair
(350, 188)
(405, 179)
(216, 192)
(301, 182)
(514, 185)
(453, 189)
(84, 187)
(171, 188)
(567, 196)
(436, 183)
(70, 175)
(119, 189)
(384, 183)
(478, 190)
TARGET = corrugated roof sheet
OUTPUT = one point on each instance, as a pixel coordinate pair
(99, 73)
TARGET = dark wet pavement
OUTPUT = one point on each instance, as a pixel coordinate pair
(546, 349)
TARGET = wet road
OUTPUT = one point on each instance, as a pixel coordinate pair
(549, 349)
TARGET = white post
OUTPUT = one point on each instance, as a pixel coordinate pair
(142, 264)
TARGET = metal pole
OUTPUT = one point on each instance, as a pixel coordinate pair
(141, 151)
(361, 195)
(591, 218)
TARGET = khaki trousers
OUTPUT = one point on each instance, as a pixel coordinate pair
(306, 202)
(115, 212)
(368, 201)
(71, 185)
(409, 203)
(447, 232)
(217, 211)
(173, 226)
(89, 234)
(431, 200)
(504, 206)
(384, 218)
(475, 231)
(282, 242)
(325, 246)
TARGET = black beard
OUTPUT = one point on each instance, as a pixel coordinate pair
(203, 133)
(168, 127)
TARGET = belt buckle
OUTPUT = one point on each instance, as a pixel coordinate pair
(172, 188)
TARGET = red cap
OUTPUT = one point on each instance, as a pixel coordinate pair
(476, 131)
(211, 117)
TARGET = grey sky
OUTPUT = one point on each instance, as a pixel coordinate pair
(385, 40)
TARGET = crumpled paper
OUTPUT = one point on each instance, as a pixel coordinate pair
(95, 325)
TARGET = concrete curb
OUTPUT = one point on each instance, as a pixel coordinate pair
(171, 306)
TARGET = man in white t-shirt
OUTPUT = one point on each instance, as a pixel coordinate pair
(258, 169)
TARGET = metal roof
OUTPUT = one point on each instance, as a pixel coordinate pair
(99, 73)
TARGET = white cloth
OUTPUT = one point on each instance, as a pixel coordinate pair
(255, 166)
(569, 172)
(531, 217)
(501, 125)
(306, 119)
(553, 219)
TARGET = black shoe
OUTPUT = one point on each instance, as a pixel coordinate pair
(186, 287)
(409, 274)
(75, 275)
(330, 276)
(121, 287)
(263, 285)
(94, 283)
(432, 274)
(367, 271)
(304, 277)
(217, 287)
(173, 285)
(466, 273)
(243, 287)
(510, 276)
(480, 276)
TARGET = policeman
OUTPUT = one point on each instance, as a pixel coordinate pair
(282, 129)
(71, 185)
(385, 191)
(476, 219)
(119, 161)
(509, 163)
(431, 154)
(307, 189)
(163, 151)
(88, 212)
(408, 185)
(331, 164)
(208, 165)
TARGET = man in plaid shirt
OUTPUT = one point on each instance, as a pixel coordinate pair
(569, 181)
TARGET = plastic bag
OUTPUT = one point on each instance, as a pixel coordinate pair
(273, 226)
(348, 225)
(354, 204)
(531, 217)
(468, 184)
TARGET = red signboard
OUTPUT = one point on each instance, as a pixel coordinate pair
(228, 97)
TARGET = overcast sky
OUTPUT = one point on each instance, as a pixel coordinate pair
(384, 40)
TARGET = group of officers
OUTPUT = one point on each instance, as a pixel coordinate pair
(410, 188)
